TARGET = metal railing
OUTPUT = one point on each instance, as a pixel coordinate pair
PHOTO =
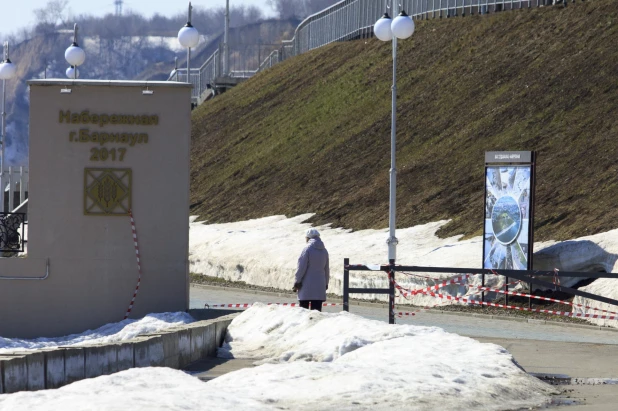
(13, 187)
(345, 20)
(353, 19)
(243, 64)
(530, 277)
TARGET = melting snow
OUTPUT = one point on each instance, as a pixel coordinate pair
(318, 361)
(264, 252)
(113, 332)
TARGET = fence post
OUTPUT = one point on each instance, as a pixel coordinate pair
(21, 185)
(2, 191)
(391, 291)
(483, 285)
(506, 288)
(346, 284)
(11, 192)
(199, 85)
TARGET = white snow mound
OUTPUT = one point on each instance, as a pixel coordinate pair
(343, 361)
(323, 362)
(108, 333)
(137, 389)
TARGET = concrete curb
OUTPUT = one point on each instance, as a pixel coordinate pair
(455, 313)
(176, 348)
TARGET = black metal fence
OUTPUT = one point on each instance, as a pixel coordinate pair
(531, 277)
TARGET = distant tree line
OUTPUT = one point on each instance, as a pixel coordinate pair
(299, 9)
(55, 15)
(127, 47)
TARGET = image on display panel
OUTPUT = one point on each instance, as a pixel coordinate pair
(507, 217)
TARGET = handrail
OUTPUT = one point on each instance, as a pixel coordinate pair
(44, 277)
(347, 20)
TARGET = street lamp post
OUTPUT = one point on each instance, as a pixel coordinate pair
(188, 37)
(75, 56)
(387, 29)
(7, 72)
(226, 49)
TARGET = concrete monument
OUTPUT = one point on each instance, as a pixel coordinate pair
(100, 150)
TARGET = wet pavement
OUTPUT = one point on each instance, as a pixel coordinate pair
(460, 323)
(582, 361)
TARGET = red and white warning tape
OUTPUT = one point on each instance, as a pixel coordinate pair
(139, 266)
(536, 310)
(483, 289)
(409, 292)
(412, 313)
(404, 292)
(247, 305)
(538, 297)
(480, 289)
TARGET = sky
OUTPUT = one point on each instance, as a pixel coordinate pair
(15, 15)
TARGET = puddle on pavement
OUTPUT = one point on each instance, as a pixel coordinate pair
(562, 379)
(565, 381)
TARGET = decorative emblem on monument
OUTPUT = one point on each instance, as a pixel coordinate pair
(107, 191)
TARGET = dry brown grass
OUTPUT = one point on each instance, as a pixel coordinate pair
(313, 134)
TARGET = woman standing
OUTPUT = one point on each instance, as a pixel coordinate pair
(313, 272)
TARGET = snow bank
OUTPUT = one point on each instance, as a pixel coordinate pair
(109, 333)
(271, 334)
(137, 389)
(606, 287)
(264, 252)
(321, 362)
(343, 361)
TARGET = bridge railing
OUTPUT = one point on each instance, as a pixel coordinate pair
(351, 19)
(345, 20)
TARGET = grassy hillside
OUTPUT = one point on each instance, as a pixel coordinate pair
(313, 134)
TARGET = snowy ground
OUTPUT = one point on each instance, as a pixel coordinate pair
(264, 252)
(109, 333)
(318, 361)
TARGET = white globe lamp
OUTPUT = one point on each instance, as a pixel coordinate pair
(7, 70)
(382, 28)
(75, 55)
(402, 26)
(72, 72)
(188, 36)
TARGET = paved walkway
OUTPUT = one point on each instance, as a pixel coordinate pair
(576, 360)
(542, 349)
(471, 325)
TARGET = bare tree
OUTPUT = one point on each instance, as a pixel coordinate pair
(286, 9)
(52, 14)
(299, 8)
